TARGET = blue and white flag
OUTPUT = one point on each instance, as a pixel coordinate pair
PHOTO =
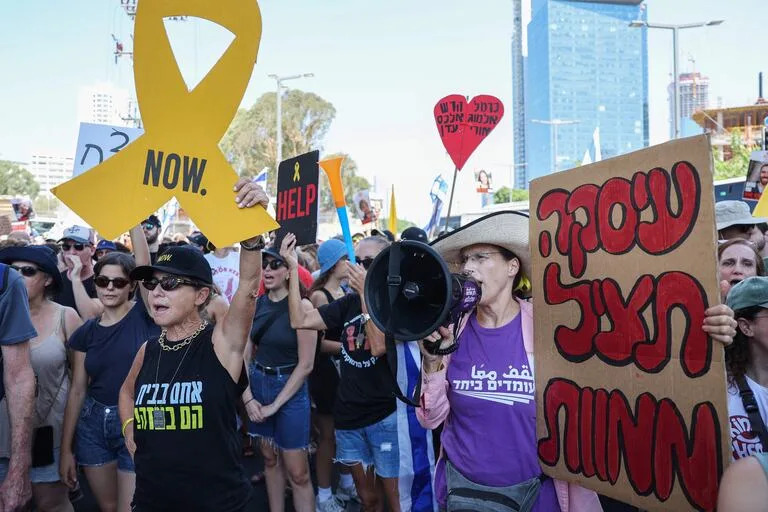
(261, 178)
(417, 454)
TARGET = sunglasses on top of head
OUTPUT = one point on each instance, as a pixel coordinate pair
(117, 282)
(365, 262)
(26, 270)
(168, 283)
(77, 246)
(273, 264)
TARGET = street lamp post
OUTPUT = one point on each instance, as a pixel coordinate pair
(555, 124)
(675, 59)
(280, 80)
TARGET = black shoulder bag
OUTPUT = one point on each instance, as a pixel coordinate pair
(753, 411)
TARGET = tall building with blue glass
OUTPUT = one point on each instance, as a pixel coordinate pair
(586, 65)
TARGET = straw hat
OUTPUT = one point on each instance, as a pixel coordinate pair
(507, 229)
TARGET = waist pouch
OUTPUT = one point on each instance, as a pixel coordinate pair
(465, 495)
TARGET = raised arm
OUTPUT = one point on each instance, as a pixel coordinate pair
(231, 334)
(301, 318)
(87, 307)
(327, 346)
(372, 333)
(142, 257)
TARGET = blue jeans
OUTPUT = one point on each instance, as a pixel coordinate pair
(98, 438)
(288, 428)
(375, 445)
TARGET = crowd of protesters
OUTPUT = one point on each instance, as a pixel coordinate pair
(152, 366)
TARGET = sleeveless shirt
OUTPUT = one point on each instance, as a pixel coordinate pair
(48, 358)
(187, 444)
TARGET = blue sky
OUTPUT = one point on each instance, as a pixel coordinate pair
(382, 64)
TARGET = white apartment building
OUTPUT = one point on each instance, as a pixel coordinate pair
(102, 104)
(50, 170)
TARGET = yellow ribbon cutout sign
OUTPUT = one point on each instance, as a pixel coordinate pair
(178, 154)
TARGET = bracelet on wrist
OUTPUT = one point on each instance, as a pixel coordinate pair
(247, 401)
(258, 244)
(125, 424)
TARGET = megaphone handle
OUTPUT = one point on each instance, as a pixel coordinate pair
(434, 348)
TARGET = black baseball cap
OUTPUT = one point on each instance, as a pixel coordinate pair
(180, 260)
(152, 219)
(414, 233)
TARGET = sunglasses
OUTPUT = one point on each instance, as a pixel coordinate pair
(149, 225)
(273, 264)
(26, 271)
(168, 283)
(77, 247)
(117, 282)
(366, 263)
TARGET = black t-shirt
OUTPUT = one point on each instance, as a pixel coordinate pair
(277, 342)
(188, 459)
(110, 351)
(66, 297)
(364, 394)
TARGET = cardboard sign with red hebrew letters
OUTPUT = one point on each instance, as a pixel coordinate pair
(297, 198)
(630, 391)
(463, 126)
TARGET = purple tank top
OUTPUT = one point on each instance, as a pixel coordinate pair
(490, 433)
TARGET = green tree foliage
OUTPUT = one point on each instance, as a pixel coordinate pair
(737, 165)
(17, 181)
(349, 177)
(250, 143)
(507, 195)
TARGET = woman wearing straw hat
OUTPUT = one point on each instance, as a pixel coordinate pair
(48, 354)
(489, 438)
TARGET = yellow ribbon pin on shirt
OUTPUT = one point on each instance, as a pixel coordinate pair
(178, 154)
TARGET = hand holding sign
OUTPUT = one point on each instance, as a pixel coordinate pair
(463, 126)
(178, 154)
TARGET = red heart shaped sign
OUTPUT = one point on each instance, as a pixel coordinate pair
(463, 126)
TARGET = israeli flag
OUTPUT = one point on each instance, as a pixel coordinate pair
(261, 178)
(417, 454)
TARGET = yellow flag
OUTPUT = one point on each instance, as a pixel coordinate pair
(392, 213)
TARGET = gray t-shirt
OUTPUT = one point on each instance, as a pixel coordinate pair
(15, 322)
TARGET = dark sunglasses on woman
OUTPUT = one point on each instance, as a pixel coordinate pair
(78, 247)
(168, 283)
(26, 270)
(117, 282)
(366, 263)
(273, 264)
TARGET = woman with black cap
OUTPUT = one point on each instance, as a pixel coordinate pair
(178, 405)
(48, 353)
(277, 400)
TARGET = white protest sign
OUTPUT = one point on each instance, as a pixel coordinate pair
(98, 142)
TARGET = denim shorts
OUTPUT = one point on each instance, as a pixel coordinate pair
(288, 428)
(42, 475)
(99, 439)
(372, 445)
